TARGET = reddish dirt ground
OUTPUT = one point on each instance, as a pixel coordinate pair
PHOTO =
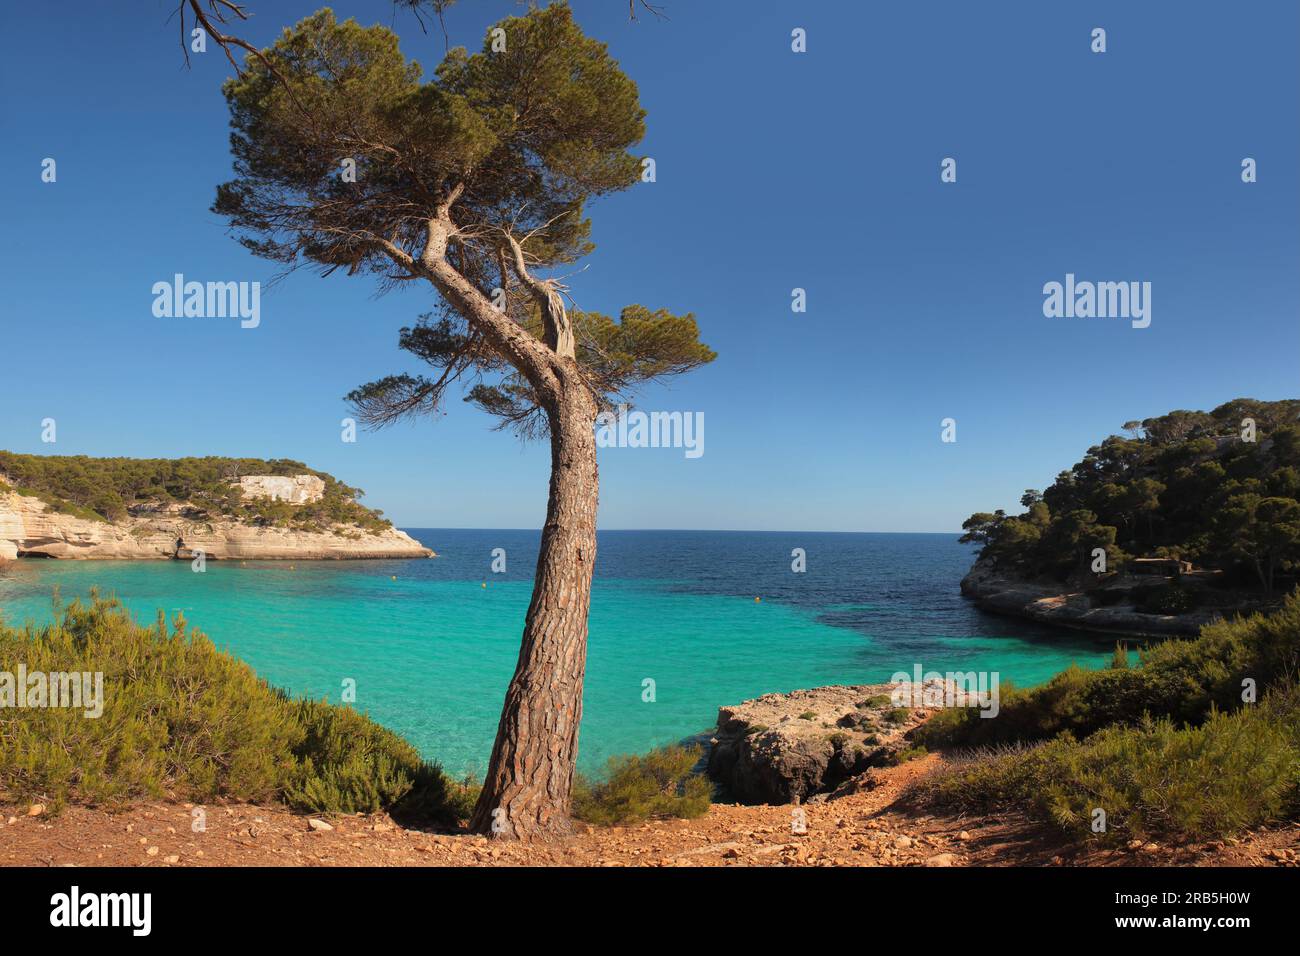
(864, 829)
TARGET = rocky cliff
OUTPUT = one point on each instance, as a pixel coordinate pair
(295, 489)
(31, 528)
(998, 590)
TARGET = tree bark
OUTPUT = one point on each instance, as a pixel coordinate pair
(526, 792)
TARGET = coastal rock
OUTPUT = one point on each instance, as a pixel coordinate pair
(295, 489)
(11, 531)
(785, 748)
(30, 528)
(1000, 591)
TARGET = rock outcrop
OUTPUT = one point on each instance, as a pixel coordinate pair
(997, 590)
(30, 528)
(788, 748)
(295, 489)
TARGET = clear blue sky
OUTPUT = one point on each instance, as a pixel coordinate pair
(775, 170)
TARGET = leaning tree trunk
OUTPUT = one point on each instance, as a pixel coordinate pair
(530, 775)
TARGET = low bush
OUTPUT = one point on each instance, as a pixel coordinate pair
(906, 754)
(182, 720)
(1178, 679)
(1154, 779)
(658, 785)
(347, 762)
(897, 715)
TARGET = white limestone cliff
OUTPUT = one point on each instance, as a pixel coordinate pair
(30, 528)
(295, 489)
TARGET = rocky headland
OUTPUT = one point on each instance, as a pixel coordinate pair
(30, 527)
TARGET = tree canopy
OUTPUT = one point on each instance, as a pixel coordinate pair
(508, 143)
(1220, 488)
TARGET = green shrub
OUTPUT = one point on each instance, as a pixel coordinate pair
(906, 754)
(347, 762)
(1232, 772)
(182, 720)
(658, 785)
(1179, 679)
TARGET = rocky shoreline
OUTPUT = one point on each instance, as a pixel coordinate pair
(30, 528)
(1001, 592)
(823, 743)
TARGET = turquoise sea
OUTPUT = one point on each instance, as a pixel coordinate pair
(431, 648)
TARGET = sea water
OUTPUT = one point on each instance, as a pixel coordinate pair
(431, 644)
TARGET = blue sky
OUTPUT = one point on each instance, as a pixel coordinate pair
(775, 170)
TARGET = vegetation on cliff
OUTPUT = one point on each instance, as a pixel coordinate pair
(181, 720)
(1220, 488)
(109, 488)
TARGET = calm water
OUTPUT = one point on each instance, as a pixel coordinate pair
(431, 651)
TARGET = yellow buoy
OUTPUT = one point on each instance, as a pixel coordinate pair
(485, 584)
(394, 577)
(758, 600)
